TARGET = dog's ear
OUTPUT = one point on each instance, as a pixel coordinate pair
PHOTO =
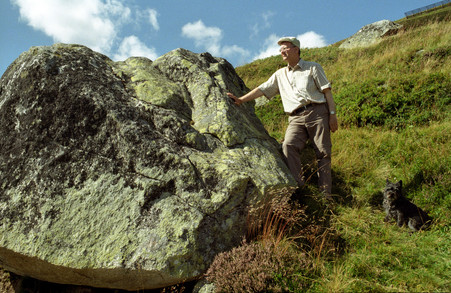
(386, 181)
(399, 183)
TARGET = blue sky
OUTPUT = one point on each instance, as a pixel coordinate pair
(237, 30)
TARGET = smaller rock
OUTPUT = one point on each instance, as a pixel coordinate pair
(371, 34)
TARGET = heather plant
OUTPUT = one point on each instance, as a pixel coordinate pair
(282, 249)
(260, 267)
(268, 259)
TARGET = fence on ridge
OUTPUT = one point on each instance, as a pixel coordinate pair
(425, 8)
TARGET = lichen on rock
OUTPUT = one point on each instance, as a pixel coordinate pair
(128, 175)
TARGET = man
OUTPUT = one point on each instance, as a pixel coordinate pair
(307, 99)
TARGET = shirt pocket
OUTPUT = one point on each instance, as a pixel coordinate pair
(302, 81)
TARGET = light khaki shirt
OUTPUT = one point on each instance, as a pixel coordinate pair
(298, 86)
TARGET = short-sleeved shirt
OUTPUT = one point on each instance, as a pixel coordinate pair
(298, 86)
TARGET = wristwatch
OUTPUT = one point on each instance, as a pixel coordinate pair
(332, 113)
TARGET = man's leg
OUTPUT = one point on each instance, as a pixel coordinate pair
(295, 139)
(318, 128)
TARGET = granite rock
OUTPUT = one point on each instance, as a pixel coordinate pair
(129, 175)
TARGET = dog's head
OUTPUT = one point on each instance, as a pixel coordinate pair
(393, 191)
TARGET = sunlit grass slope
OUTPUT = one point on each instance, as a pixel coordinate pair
(393, 103)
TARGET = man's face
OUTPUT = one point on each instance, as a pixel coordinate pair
(288, 51)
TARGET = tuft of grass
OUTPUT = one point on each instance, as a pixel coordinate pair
(285, 247)
(274, 218)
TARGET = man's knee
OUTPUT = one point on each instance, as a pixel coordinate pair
(324, 153)
(289, 146)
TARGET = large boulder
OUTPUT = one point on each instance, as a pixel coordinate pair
(129, 175)
(371, 34)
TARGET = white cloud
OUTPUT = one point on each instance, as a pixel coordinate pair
(307, 40)
(86, 22)
(264, 22)
(203, 36)
(115, 8)
(131, 46)
(152, 13)
(270, 47)
(231, 50)
(209, 38)
(243, 54)
(311, 40)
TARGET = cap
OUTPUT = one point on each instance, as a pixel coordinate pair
(292, 40)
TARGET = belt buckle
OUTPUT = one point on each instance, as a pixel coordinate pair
(300, 109)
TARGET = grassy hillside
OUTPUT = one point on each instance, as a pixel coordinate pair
(403, 81)
(394, 109)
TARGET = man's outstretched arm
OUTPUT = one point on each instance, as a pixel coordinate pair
(252, 95)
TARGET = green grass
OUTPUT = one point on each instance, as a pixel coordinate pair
(382, 257)
(351, 247)
(419, 156)
(393, 102)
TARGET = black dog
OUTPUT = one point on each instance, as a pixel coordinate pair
(398, 207)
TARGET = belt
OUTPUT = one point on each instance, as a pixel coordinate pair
(302, 108)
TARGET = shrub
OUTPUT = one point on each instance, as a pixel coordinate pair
(278, 254)
(268, 260)
(397, 102)
(259, 267)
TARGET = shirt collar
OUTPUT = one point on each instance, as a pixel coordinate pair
(299, 65)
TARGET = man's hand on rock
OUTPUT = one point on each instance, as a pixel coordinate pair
(235, 99)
